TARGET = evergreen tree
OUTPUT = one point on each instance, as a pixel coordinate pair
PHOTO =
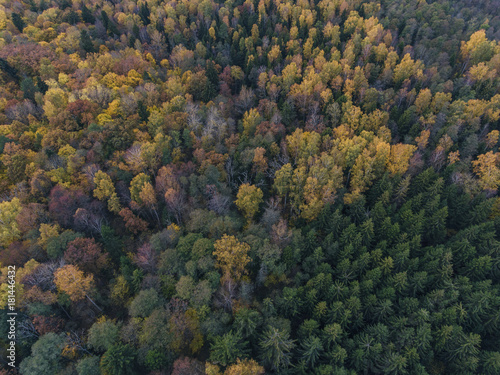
(227, 348)
(87, 15)
(86, 42)
(276, 348)
(18, 22)
(28, 87)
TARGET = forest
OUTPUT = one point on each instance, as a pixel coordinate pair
(248, 187)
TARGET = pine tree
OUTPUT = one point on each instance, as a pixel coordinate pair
(86, 42)
(311, 351)
(18, 22)
(227, 348)
(276, 348)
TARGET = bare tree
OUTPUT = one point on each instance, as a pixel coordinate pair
(245, 100)
(217, 202)
(227, 294)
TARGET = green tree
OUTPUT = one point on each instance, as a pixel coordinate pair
(227, 348)
(144, 303)
(276, 348)
(86, 42)
(9, 230)
(102, 335)
(119, 359)
(105, 191)
(18, 22)
(311, 350)
(29, 89)
(45, 358)
(87, 15)
(246, 322)
(88, 366)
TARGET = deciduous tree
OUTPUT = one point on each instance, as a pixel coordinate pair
(70, 280)
(232, 256)
(248, 200)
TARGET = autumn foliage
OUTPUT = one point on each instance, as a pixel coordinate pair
(242, 187)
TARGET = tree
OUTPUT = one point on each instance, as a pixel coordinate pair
(64, 202)
(45, 358)
(56, 245)
(144, 303)
(86, 42)
(29, 89)
(311, 349)
(18, 22)
(477, 49)
(399, 159)
(188, 366)
(86, 254)
(259, 160)
(105, 191)
(245, 367)
(301, 145)
(227, 348)
(146, 258)
(248, 200)
(246, 322)
(70, 280)
(486, 168)
(492, 138)
(407, 68)
(132, 222)
(250, 121)
(103, 335)
(137, 185)
(88, 366)
(87, 15)
(119, 359)
(184, 327)
(231, 256)
(276, 348)
(9, 230)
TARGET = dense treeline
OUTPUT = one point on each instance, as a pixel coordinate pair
(282, 187)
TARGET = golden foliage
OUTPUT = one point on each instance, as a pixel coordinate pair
(232, 256)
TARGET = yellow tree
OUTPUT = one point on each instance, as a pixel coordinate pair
(423, 139)
(259, 160)
(105, 190)
(9, 230)
(248, 199)
(492, 138)
(486, 168)
(477, 49)
(245, 367)
(313, 204)
(399, 160)
(70, 280)
(453, 157)
(362, 174)
(423, 101)
(21, 295)
(251, 119)
(282, 180)
(241, 367)
(407, 68)
(148, 199)
(47, 232)
(302, 144)
(232, 256)
(137, 184)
